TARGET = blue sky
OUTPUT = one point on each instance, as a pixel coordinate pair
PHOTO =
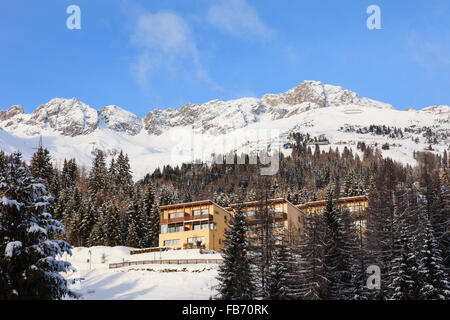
(142, 55)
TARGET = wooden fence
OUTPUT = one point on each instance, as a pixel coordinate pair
(173, 261)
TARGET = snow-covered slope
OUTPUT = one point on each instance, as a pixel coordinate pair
(71, 128)
(93, 280)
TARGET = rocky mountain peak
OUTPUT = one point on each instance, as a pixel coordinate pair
(120, 120)
(11, 112)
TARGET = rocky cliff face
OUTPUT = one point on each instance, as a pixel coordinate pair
(70, 117)
(223, 116)
(119, 120)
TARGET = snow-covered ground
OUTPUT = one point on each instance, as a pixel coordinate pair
(144, 282)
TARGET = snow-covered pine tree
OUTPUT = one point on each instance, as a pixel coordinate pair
(147, 205)
(113, 221)
(380, 234)
(96, 235)
(349, 182)
(124, 175)
(235, 276)
(135, 224)
(263, 239)
(167, 195)
(69, 173)
(279, 280)
(150, 217)
(334, 265)
(436, 285)
(353, 268)
(310, 258)
(29, 268)
(113, 177)
(41, 166)
(406, 280)
(72, 216)
(97, 180)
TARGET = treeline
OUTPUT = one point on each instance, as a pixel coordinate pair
(103, 206)
(405, 237)
(302, 177)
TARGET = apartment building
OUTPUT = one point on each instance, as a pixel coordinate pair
(357, 206)
(203, 223)
(192, 225)
(287, 217)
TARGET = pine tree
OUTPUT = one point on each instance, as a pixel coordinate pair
(97, 181)
(352, 270)
(310, 251)
(135, 226)
(133, 235)
(41, 167)
(279, 284)
(29, 268)
(235, 276)
(436, 285)
(333, 245)
(123, 175)
(96, 235)
(406, 282)
(263, 240)
(113, 221)
(150, 218)
(88, 219)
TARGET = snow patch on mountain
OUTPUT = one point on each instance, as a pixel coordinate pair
(73, 129)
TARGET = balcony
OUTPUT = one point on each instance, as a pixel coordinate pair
(200, 217)
(257, 219)
(187, 218)
(174, 220)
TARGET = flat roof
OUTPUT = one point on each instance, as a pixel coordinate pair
(254, 203)
(190, 205)
(324, 202)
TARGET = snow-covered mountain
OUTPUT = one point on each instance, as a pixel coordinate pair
(71, 128)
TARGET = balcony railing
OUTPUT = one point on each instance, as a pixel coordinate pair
(186, 217)
(200, 217)
(256, 219)
(174, 220)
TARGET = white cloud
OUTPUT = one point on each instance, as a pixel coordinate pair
(164, 40)
(164, 31)
(238, 18)
(427, 53)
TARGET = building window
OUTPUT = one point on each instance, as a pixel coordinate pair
(197, 226)
(205, 226)
(251, 213)
(196, 240)
(176, 215)
(163, 228)
(201, 212)
(213, 226)
(279, 209)
(173, 229)
(172, 242)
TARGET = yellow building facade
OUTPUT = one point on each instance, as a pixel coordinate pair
(356, 205)
(193, 225)
(203, 223)
(287, 217)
